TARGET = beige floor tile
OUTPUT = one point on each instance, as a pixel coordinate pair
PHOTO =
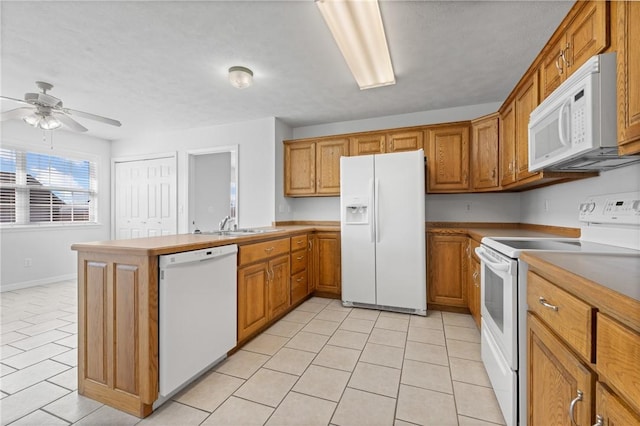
(390, 314)
(68, 379)
(388, 337)
(348, 339)
(473, 372)
(310, 342)
(337, 307)
(332, 315)
(71, 328)
(7, 351)
(469, 421)
(40, 318)
(72, 407)
(426, 335)
(465, 350)
(5, 369)
(44, 326)
(424, 352)
(393, 323)
(358, 325)
(426, 407)
(301, 317)
(39, 418)
(363, 408)
(69, 358)
(426, 376)
(267, 387)
(14, 325)
(31, 375)
(237, 411)
(402, 423)
(336, 357)
(208, 392)
(322, 300)
(432, 321)
(367, 314)
(174, 413)
(242, 364)
(34, 356)
(462, 333)
(477, 402)
(310, 306)
(460, 320)
(28, 400)
(292, 361)
(388, 356)
(298, 409)
(266, 344)
(322, 382)
(376, 379)
(319, 326)
(108, 416)
(71, 341)
(284, 328)
(11, 337)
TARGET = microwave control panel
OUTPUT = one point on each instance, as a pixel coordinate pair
(623, 208)
(578, 112)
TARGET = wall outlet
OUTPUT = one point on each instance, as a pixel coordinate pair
(28, 262)
(546, 205)
(468, 206)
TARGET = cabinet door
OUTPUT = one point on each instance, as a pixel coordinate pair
(311, 265)
(405, 141)
(526, 101)
(473, 281)
(612, 411)
(447, 270)
(328, 153)
(279, 286)
(587, 35)
(253, 300)
(448, 159)
(484, 153)
(555, 376)
(327, 263)
(373, 143)
(628, 57)
(299, 168)
(508, 145)
(553, 69)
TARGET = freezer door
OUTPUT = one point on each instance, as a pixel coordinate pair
(357, 239)
(400, 223)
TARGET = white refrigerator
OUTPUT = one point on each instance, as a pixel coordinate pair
(382, 207)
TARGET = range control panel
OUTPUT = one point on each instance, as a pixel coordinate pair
(623, 208)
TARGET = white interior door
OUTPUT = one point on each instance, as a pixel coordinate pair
(145, 198)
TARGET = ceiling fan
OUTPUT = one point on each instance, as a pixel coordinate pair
(46, 111)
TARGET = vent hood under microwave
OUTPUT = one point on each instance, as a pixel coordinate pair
(574, 129)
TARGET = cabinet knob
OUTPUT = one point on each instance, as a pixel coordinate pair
(269, 250)
(299, 257)
(544, 303)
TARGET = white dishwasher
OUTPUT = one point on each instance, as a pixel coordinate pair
(197, 313)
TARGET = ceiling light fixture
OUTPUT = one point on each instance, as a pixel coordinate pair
(357, 27)
(42, 120)
(240, 77)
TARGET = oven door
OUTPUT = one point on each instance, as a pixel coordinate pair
(499, 291)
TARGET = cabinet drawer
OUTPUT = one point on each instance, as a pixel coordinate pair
(298, 261)
(569, 317)
(298, 286)
(618, 358)
(299, 242)
(254, 252)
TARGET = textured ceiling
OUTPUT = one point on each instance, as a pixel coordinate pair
(163, 64)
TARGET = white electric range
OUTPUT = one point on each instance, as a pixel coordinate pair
(611, 225)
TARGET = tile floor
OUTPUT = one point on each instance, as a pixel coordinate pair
(321, 364)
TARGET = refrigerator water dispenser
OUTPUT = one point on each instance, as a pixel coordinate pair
(356, 212)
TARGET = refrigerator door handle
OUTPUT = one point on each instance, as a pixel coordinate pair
(371, 212)
(377, 210)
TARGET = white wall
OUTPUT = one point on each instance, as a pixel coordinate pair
(256, 158)
(284, 208)
(564, 199)
(49, 247)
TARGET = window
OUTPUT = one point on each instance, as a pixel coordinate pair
(40, 188)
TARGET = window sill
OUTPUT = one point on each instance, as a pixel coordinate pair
(8, 227)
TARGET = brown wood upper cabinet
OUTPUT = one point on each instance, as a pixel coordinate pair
(585, 35)
(448, 158)
(383, 142)
(628, 57)
(484, 153)
(312, 168)
(508, 144)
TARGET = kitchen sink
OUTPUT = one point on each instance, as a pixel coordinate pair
(239, 232)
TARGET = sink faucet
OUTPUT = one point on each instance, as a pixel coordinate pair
(224, 222)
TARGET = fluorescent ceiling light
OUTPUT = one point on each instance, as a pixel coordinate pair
(357, 27)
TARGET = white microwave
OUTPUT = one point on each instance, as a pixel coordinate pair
(575, 127)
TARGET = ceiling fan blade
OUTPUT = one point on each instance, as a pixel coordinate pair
(16, 113)
(92, 117)
(22, 101)
(70, 122)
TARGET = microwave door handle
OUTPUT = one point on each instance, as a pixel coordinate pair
(561, 122)
(496, 266)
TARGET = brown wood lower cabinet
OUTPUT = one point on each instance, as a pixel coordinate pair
(253, 299)
(326, 258)
(447, 271)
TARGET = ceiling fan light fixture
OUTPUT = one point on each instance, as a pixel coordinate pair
(359, 32)
(240, 77)
(32, 120)
(49, 122)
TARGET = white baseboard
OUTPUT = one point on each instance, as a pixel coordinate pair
(34, 283)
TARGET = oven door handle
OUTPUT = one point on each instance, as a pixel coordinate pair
(496, 266)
